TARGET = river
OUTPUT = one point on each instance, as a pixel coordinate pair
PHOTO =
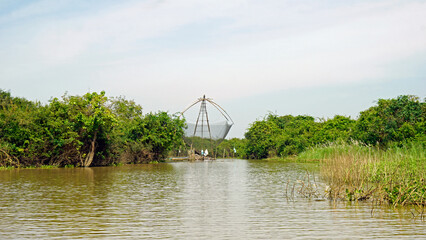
(222, 199)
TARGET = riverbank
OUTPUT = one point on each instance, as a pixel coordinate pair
(83, 131)
(360, 172)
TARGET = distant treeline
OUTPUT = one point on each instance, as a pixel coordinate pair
(391, 122)
(88, 130)
(96, 130)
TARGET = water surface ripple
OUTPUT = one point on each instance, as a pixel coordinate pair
(223, 199)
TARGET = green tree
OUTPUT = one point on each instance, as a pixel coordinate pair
(336, 129)
(391, 120)
(19, 136)
(297, 134)
(86, 122)
(260, 139)
(227, 146)
(83, 131)
(159, 132)
(279, 136)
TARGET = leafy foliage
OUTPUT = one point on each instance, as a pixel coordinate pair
(280, 136)
(334, 130)
(83, 123)
(226, 148)
(160, 132)
(232, 148)
(96, 130)
(82, 131)
(390, 122)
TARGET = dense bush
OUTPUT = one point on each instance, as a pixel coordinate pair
(390, 122)
(232, 148)
(96, 130)
(83, 131)
(280, 136)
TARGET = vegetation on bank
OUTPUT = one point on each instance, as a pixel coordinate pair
(226, 148)
(355, 171)
(88, 130)
(379, 156)
(392, 122)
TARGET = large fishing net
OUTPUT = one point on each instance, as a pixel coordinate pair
(216, 131)
(207, 120)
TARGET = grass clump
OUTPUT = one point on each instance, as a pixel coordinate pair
(7, 167)
(48, 166)
(359, 172)
(117, 164)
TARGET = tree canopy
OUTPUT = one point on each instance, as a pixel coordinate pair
(391, 121)
(83, 131)
(96, 130)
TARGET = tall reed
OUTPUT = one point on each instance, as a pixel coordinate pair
(359, 172)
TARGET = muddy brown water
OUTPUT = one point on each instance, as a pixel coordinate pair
(222, 199)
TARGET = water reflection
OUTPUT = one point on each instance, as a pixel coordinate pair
(224, 199)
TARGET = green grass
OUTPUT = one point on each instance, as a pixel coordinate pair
(292, 159)
(117, 164)
(41, 167)
(358, 172)
(48, 166)
(7, 168)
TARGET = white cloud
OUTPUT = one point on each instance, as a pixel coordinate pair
(356, 50)
(119, 28)
(30, 10)
(252, 47)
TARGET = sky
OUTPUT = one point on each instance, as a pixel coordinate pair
(318, 58)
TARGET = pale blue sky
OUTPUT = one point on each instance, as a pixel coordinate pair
(319, 58)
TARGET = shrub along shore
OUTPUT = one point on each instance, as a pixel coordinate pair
(88, 130)
(380, 155)
(395, 175)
